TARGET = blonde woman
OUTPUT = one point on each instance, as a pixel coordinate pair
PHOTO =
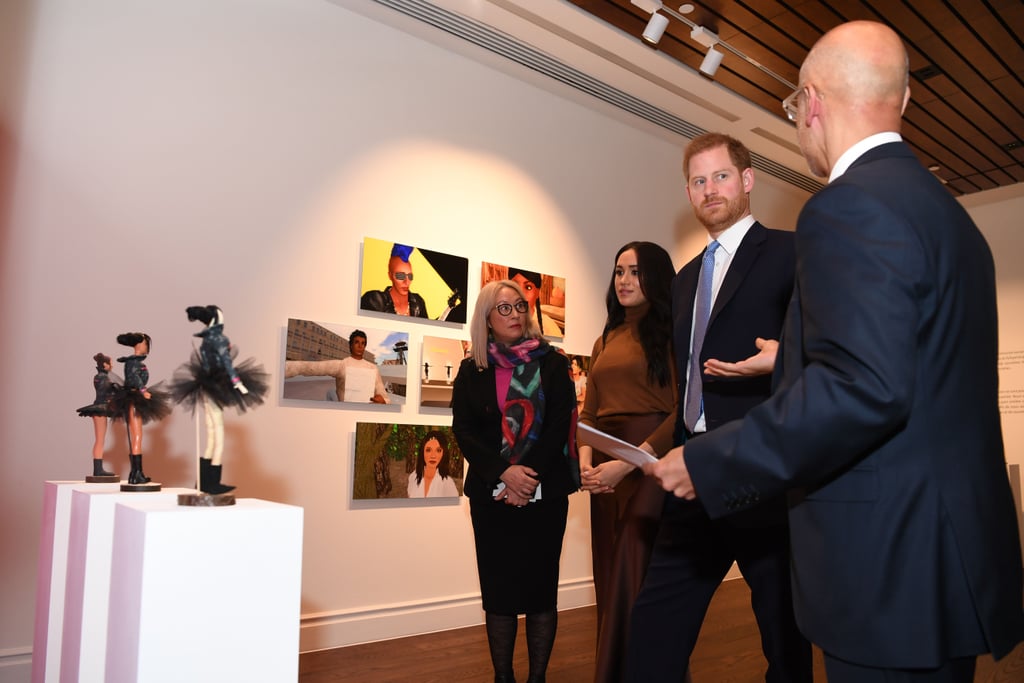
(512, 414)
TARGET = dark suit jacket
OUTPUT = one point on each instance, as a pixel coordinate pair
(476, 423)
(904, 537)
(751, 303)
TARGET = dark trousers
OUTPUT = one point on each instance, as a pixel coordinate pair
(691, 556)
(959, 670)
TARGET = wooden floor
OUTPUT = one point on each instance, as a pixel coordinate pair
(728, 651)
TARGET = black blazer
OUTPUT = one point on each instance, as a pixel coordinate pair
(476, 423)
(904, 537)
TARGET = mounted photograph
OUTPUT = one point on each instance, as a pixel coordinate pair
(344, 363)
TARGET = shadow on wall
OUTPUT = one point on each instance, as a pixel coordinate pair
(16, 21)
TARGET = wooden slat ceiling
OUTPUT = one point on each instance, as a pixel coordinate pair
(966, 114)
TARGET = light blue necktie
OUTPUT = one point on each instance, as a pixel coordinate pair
(702, 311)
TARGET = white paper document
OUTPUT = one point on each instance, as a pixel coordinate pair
(501, 487)
(617, 448)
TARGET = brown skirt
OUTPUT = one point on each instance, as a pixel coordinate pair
(623, 525)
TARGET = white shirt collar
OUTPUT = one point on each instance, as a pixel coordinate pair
(851, 155)
(734, 234)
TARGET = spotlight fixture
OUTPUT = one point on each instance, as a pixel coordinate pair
(709, 39)
(649, 6)
(655, 28)
(703, 36)
(711, 62)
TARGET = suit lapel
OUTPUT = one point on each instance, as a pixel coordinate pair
(684, 289)
(687, 290)
(788, 363)
(488, 389)
(745, 257)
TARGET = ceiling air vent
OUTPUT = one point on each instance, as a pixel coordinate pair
(926, 72)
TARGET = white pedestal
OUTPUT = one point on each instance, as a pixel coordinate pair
(87, 589)
(205, 594)
(51, 575)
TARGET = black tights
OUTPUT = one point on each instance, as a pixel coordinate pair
(540, 639)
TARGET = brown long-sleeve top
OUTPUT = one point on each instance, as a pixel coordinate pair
(618, 385)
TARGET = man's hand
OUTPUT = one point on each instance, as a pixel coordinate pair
(672, 474)
(760, 364)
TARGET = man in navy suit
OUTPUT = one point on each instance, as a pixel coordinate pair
(884, 425)
(737, 313)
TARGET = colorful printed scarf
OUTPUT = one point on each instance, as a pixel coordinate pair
(523, 412)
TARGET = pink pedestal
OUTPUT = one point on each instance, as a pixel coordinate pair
(51, 576)
(87, 587)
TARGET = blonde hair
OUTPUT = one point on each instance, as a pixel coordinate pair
(478, 329)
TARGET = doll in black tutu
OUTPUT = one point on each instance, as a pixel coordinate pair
(136, 402)
(212, 378)
(100, 411)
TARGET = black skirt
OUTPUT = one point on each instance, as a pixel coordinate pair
(156, 407)
(518, 552)
(192, 382)
(97, 410)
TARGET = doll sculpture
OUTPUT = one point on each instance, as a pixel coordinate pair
(212, 378)
(138, 404)
(100, 411)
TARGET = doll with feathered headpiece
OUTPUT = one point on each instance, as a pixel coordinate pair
(214, 379)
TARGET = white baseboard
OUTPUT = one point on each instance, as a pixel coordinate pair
(328, 630)
(16, 665)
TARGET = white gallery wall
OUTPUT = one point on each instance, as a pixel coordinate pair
(157, 155)
(236, 153)
(998, 214)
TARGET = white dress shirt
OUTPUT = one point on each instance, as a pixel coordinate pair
(729, 242)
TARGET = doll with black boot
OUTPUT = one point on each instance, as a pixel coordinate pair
(212, 378)
(138, 404)
(100, 411)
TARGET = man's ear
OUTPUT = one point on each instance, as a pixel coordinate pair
(812, 104)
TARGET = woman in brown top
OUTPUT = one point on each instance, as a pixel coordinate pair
(631, 394)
